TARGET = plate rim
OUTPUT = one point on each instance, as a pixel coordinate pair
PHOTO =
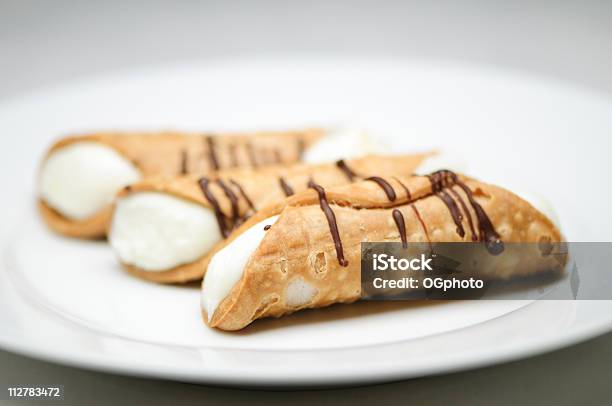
(576, 334)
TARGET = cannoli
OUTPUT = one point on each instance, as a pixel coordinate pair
(162, 229)
(306, 253)
(80, 175)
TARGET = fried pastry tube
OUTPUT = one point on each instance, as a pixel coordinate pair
(162, 229)
(80, 175)
(306, 253)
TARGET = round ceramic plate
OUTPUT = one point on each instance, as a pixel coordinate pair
(68, 301)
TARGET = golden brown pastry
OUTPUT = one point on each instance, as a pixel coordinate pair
(81, 174)
(305, 253)
(162, 229)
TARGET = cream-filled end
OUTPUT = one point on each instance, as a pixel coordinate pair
(80, 179)
(156, 231)
(455, 163)
(343, 144)
(227, 266)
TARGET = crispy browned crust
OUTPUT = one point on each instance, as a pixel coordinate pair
(299, 244)
(162, 155)
(181, 274)
(263, 188)
(91, 228)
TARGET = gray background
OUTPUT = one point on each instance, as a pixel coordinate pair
(46, 42)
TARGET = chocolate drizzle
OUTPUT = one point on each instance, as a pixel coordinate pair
(465, 210)
(233, 156)
(212, 154)
(243, 194)
(285, 186)
(418, 216)
(267, 227)
(205, 186)
(388, 189)
(331, 221)
(408, 195)
(251, 152)
(441, 179)
(184, 163)
(454, 210)
(401, 226)
(486, 232)
(232, 198)
(350, 174)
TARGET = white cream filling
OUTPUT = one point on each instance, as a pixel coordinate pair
(156, 231)
(299, 292)
(227, 266)
(81, 178)
(343, 144)
(444, 160)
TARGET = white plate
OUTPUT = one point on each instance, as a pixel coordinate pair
(69, 302)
